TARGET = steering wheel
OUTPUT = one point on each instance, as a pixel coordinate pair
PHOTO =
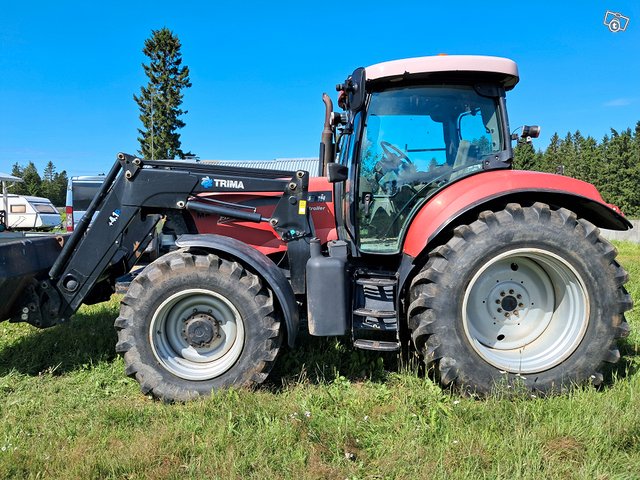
(437, 181)
(390, 150)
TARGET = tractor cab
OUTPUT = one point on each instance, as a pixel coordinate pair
(410, 128)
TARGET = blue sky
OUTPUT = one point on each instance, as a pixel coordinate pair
(68, 70)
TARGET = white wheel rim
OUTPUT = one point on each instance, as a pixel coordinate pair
(197, 334)
(526, 310)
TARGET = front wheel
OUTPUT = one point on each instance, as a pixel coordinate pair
(527, 294)
(193, 323)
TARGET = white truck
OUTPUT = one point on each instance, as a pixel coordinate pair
(80, 192)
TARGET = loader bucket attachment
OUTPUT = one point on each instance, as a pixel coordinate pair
(22, 260)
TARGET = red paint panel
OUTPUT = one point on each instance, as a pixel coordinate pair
(484, 186)
(260, 235)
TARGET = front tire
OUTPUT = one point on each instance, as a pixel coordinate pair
(192, 323)
(525, 295)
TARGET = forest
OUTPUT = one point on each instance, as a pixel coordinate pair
(50, 184)
(612, 165)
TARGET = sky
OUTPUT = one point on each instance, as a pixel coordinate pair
(68, 70)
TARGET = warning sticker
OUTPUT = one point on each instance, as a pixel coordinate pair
(302, 207)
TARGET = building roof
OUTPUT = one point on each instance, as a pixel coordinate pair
(311, 165)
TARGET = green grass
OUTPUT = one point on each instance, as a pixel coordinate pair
(69, 412)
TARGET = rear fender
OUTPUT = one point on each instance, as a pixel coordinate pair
(258, 262)
(462, 201)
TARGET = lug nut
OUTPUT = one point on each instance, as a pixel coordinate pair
(511, 292)
(518, 296)
(499, 310)
(502, 294)
(521, 305)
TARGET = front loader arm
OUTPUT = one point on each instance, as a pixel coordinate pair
(135, 196)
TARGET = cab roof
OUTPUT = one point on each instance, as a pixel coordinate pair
(505, 70)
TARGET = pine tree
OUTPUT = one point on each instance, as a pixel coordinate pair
(60, 181)
(17, 170)
(567, 157)
(589, 168)
(160, 100)
(551, 159)
(32, 181)
(48, 187)
(525, 157)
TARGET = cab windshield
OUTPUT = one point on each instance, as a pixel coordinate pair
(415, 141)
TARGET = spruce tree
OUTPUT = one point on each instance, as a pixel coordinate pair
(525, 157)
(551, 159)
(48, 188)
(32, 181)
(60, 181)
(160, 99)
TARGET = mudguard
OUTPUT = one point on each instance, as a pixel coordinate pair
(259, 262)
(504, 186)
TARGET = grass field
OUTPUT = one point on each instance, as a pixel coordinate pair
(68, 411)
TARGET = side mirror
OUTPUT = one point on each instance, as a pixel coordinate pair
(354, 87)
(357, 92)
(337, 173)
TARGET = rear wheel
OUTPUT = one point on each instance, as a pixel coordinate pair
(526, 295)
(193, 323)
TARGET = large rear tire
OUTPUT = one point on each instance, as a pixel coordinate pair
(525, 295)
(193, 323)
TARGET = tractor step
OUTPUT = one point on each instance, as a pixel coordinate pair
(370, 312)
(375, 320)
(379, 345)
(376, 281)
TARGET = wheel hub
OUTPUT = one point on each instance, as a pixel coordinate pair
(200, 330)
(508, 303)
(197, 334)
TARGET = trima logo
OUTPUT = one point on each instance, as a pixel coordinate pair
(207, 182)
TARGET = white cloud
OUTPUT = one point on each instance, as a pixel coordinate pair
(618, 102)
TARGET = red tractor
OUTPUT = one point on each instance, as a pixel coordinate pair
(421, 235)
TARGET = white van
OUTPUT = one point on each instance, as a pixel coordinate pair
(80, 193)
(30, 213)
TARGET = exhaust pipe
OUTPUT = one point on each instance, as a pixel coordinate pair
(327, 147)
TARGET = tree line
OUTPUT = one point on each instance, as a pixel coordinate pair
(612, 165)
(51, 184)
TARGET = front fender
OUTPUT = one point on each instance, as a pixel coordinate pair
(504, 186)
(257, 261)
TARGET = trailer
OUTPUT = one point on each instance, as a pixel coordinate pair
(420, 238)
